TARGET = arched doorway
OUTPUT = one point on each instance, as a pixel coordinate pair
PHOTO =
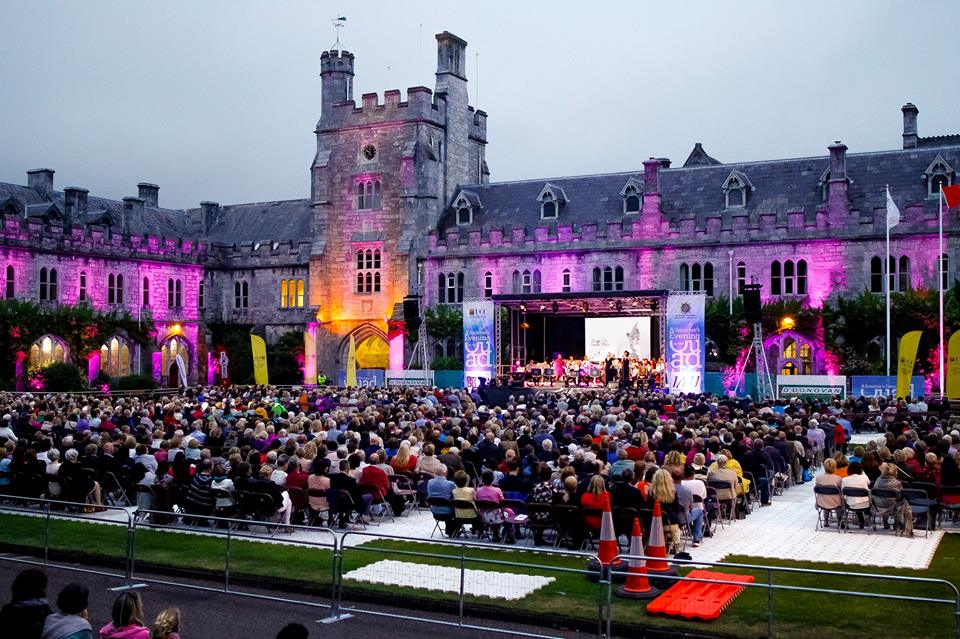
(373, 352)
(170, 365)
(791, 353)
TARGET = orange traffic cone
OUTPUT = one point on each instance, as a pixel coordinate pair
(610, 564)
(657, 547)
(637, 586)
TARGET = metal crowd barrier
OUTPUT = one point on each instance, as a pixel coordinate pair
(353, 544)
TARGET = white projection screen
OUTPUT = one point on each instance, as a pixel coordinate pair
(616, 334)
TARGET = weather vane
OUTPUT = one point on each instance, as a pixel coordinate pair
(338, 23)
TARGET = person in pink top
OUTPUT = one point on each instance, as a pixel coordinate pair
(126, 619)
(488, 492)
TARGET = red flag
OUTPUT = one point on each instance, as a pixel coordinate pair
(952, 195)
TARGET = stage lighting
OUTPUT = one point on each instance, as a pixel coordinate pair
(524, 325)
(543, 307)
(523, 308)
(556, 307)
(787, 322)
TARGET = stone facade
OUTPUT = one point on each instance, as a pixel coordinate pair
(400, 197)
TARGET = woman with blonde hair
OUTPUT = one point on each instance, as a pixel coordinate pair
(596, 498)
(126, 619)
(743, 485)
(663, 490)
(167, 625)
(404, 461)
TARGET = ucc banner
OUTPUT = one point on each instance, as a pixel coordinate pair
(258, 348)
(685, 337)
(906, 358)
(953, 366)
(478, 342)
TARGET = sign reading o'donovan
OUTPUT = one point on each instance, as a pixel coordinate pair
(811, 386)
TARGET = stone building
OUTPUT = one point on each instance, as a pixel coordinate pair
(400, 203)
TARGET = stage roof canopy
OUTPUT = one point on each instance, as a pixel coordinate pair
(611, 303)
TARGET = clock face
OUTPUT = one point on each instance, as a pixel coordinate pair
(369, 151)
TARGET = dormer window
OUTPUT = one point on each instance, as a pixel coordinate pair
(735, 189)
(939, 174)
(736, 197)
(463, 207)
(550, 198)
(631, 195)
(548, 208)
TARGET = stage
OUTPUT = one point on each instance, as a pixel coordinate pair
(589, 326)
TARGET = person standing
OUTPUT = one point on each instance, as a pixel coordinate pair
(625, 370)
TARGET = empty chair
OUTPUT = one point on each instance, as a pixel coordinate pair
(922, 508)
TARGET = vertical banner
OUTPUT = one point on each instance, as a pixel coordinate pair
(953, 366)
(258, 348)
(685, 342)
(906, 358)
(181, 370)
(351, 376)
(478, 338)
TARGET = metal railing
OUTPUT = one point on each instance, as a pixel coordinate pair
(342, 595)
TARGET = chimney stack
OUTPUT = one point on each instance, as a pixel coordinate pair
(651, 175)
(75, 202)
(41, 180)
(149, 193)
(837, 201)
(132, 209)
(909, 125)
(209, 215)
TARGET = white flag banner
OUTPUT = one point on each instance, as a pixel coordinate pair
(893, 213)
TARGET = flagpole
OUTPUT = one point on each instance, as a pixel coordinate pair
(940, 269)
(886, 285)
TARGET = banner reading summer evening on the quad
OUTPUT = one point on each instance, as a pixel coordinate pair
(478, 338)
(685, 342)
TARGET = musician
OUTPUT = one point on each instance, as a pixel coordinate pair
(625, 370)
(609, 369)
(558, 366)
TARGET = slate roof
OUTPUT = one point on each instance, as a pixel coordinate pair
(779, 186)
(287, 220)
(284, 220)
(155, 221)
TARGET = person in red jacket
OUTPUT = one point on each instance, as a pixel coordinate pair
(373, 475)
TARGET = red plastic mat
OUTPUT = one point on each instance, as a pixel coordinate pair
(698, 599)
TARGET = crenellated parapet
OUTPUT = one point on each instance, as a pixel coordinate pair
(100, 241)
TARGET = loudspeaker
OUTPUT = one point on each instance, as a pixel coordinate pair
(751, 303)
(411, 313)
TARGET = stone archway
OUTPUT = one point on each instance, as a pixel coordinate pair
(374, 339)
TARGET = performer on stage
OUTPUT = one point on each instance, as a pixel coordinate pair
(609, 370)
(625, 370)
(558, 366)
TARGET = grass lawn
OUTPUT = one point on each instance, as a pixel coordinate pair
(570, 596)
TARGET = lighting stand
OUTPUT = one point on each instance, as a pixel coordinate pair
(765, 387)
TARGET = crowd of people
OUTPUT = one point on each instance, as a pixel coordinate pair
(29, 615)
(292, 452)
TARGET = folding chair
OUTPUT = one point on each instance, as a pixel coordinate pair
(568, 521)
(377, 499)
(403, 487)
(300, 503)
(314, 515)
(849, 511)
(884, 503)
(342, 509)
(820, 493)
(465, 505)
(111, 492)
(540, 519)
(519, 508)
(440, 503)
(949, 502)
(921, 506)
(623, 524)
(491, 515)
(727, 506)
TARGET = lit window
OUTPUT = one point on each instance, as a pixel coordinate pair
(115, 358)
